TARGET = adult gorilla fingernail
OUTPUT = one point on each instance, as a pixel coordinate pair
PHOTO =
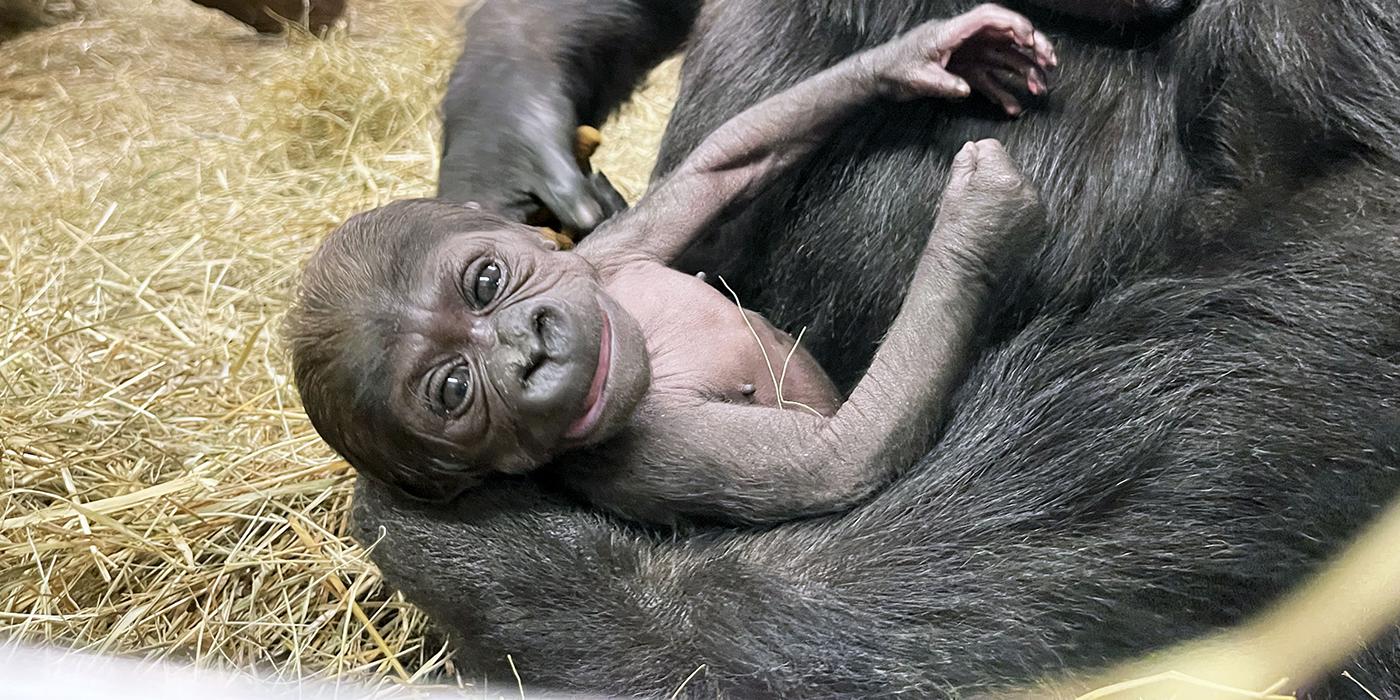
(965, 154)
(587, 213)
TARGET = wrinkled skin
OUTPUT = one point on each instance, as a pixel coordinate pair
(1189, 404)
(523, 357)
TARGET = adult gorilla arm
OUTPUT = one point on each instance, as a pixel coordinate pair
(530, 72)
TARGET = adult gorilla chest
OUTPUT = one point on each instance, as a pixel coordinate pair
(832, 247)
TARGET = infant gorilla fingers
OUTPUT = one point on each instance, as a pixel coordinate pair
(993, 17)
(984, 168)
(989, 215)
(990, 50)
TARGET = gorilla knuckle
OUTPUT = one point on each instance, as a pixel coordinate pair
(995, 177)
(989, 12)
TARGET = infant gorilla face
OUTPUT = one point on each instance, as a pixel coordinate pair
(511, 351)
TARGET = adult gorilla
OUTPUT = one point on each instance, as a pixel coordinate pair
(1194, 397)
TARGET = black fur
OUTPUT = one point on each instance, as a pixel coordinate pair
(1193, 400)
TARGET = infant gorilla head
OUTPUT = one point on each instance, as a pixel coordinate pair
(433, 343)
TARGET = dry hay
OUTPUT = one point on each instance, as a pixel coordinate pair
(162, 174)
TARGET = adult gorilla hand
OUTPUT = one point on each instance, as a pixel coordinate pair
(529, 74)
(509, 145)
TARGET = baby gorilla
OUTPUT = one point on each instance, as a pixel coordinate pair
(434, 344)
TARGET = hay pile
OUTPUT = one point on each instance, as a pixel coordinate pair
(162, 174)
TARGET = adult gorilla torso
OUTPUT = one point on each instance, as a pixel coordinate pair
(836, 253)
(1189, 403)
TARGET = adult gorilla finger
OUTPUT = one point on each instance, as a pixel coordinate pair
(566, 190)
(607, 195)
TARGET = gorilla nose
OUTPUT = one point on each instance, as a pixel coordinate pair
(534, 337)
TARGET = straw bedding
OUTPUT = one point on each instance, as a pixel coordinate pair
(163, 172)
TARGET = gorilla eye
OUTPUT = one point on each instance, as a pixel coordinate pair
(485, 284)
(455, 389)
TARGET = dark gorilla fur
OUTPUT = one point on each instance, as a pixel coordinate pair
(1193, 401)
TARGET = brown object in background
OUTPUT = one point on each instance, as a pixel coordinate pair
(560, 238)
(586, 142)
(263, 15)
(22, 15)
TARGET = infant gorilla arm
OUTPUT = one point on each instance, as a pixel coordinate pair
(722, 461)
(989, 49)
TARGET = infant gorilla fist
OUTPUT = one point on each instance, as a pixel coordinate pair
(986, 210)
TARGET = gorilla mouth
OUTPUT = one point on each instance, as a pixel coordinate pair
(593, 402)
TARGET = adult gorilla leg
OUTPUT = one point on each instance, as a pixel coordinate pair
(1107, 485)
(18, 16)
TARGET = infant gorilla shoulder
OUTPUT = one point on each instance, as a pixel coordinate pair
(434, 344)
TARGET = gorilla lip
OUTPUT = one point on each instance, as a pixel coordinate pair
(593, 402)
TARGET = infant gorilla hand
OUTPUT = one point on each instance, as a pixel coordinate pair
(989, 49)
(989, 216)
